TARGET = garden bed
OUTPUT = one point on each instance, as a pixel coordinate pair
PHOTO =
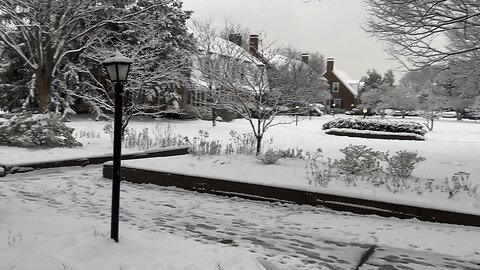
(374, 134)
(376, 128)
(279, 193)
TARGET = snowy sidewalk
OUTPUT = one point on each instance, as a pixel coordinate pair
(287, 236)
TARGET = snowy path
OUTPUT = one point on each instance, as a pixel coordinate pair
(288, 236)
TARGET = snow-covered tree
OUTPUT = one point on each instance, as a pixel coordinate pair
(256, 85)
(372, 80)
(45, 33)
(377, 90)
(160, 46)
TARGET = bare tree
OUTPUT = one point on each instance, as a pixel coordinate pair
(258, 83)
(427, 32)
(43, 33)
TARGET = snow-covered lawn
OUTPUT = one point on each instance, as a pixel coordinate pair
(453, 146)
(38, 237)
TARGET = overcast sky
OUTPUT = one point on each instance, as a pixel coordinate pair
(330, 27)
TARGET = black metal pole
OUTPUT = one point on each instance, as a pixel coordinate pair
(296, 119)
(117, 157)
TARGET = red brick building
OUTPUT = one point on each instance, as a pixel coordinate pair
(344, 89)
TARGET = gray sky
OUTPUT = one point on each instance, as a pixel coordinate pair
(330, 27)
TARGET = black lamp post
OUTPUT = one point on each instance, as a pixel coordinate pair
(365, 112)
(117, 68)
(333, 110)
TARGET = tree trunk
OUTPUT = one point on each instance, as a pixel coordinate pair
(44, 81)
(459, 116)
(214, 117)
(259, 144)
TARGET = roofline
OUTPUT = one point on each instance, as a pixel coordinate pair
(347, 85)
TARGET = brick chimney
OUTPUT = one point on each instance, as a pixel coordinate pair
(254, 40)
(235, 38)
(330, 62)
(305, 58)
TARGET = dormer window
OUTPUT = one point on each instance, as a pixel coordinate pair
(335, 87)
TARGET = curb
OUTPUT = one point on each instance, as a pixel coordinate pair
(279, 194)
(374, 136)
(31, 166)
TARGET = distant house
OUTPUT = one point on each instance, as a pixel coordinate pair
(234, 50)
(216, 58)
(343, 88)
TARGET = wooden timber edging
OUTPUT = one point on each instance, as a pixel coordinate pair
(279, 194)
(26, 167)
(391, 136)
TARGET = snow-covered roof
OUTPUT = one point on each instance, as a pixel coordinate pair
(350, 84)
(279, 60)
(219, 46)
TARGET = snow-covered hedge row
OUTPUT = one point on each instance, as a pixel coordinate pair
(35, 130)
(377, 125)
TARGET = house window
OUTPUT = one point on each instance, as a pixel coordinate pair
(335, 87)
(196, 98)
(337, 103)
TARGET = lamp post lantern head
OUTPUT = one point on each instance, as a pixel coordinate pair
(365, 110)
(117, 67)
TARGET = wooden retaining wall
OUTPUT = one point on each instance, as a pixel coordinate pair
(391, 136)
(25, 167)
(275, 194)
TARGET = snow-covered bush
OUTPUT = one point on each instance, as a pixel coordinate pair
(241, 144)
(459, 182)
(319, 171)
(399, 169)
(227, 116)
(161, 136)
(36, 130)
(200, 146)
(294, 153)
(270, 157)
(359, 159)
(89, 134)
(403, 163)
(377, 125)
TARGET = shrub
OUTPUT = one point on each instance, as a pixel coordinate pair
(194, 112)
(36, 130)
(319, 171)
(459, 182)
(399, 168)
(89, 134)
(241, 144)
(294, 153)
(270, 157)
(403, 163)
(359, 159)
(160, 136)
(377, 125)
(201, 146)
(227, 116)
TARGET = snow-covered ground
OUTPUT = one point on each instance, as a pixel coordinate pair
(453, 146)
(55, 217)
(60, 240)
(38, 237)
